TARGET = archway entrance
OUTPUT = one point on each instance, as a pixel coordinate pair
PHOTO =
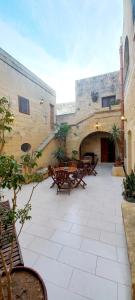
(99, 144)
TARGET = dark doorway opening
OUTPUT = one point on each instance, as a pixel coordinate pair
(107, 150)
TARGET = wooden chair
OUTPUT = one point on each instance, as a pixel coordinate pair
(91, 169)
(78, 177)
(63, 181)
(51, 173)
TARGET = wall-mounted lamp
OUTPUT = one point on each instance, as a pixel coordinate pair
(11, 118)
(97, 125)
(42, 101)
(123, 118)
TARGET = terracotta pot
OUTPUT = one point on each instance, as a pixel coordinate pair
(28, 284)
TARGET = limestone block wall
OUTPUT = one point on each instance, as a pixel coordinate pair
(16, 80)
(81, 130)
(129, 86)
(101, 86)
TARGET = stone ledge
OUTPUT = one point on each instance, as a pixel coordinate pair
(128, 212)
(44, 172)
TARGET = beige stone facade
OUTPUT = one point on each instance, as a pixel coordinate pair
(94, 107)
(32, 128)
(129, 81)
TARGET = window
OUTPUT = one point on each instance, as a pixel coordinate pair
(126, 57)
(108, 101)
(25, 147)
(52, 116)
(24, 105)
(133, 10)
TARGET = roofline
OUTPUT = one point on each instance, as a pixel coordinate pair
(100, 75)
(20, 68)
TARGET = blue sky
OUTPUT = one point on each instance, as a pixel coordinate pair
(62, 40)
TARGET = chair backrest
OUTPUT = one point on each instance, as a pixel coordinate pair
(50, 170)
(95, 163)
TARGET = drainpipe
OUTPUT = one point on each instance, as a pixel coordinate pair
(122, 97)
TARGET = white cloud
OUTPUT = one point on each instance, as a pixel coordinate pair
(59, 75)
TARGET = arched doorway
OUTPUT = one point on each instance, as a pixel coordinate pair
(129, 151)
(100, 144)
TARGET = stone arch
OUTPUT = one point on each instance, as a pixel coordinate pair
(129, 151)
(126, 57)
(98, 143)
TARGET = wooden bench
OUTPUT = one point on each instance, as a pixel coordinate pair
(5, 242)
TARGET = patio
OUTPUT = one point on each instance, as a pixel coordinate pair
(76, 242)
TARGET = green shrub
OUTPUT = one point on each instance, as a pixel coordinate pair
(129, 187)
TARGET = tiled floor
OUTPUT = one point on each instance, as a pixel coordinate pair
(76, 242)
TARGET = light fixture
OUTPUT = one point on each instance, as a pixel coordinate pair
(11, 118)
(41, 101)
(123, 118)
(97, 125)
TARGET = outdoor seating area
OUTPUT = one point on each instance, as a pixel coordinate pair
(79, 240)
(70, 175)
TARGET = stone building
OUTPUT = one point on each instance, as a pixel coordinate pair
(97, 108)
(32, 102)
(128, 41)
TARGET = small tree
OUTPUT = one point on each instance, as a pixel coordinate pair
(116, 137)
(6, 120)
(12, 179)
(62, 131)
(29, 161)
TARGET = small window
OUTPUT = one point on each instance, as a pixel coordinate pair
(25, 147)
(52, 116)
(24, 105)
(133, 10)
(108, 101)
(126, 57)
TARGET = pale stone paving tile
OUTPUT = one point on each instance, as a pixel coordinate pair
(45, 247)
(101, 225)
(26, 239)
(85, 231)
(113, 239)
(67, 239)
(93, 287)
(98, 248)
(57, 293)
(78, 259)
(124, 292)
(40, 231)
(113, 271)
(122, 255)
(29, 257)
(53, 271)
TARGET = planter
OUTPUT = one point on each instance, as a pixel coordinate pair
(27, 284)
(128, 213)
(118, 171)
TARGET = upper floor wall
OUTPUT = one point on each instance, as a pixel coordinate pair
(94, 94)
(128, 42)
(32, 102)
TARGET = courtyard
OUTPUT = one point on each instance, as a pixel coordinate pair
(76, 242)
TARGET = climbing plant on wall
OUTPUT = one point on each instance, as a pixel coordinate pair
(6, 120)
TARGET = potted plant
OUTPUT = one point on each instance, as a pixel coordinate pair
(15, 283)
(61, 135)
(115, 137)
(129, 187)
(74, 154)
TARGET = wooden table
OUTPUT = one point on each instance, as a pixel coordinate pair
(70, 170)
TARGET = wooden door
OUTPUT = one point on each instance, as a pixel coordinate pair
(104, 150)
